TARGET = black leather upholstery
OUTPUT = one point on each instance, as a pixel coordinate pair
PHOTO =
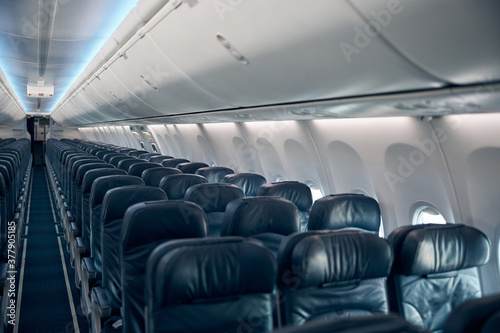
(125, 164)
(213, 199)
(114, 205)
(472, 315)
(298, 193)
(345, 211)
(210, 285)
(214, 174)
(173, 162)
(138, 168)
(376, 323)
(99, 188)
(248, 182)
(191, 167)
(146, 225)
(176, 185)
(160, 158)
(268, 219)
(434, 270)
(153, 176)
(332, 274)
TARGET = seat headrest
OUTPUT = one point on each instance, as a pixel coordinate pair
(251, 216)
(160, 158)
(214, 174)
(176, 185)
(318, 258)
(213, 197)
(137, 168)
(298, 193)
(90, 166)
(438, 248)
(345, 211)
(148, 222)
(191, 167)
(248, 182)
(185, 271)
(102, 184)
(92, 175)
(153, 176)
(172, 162)
(117, 200)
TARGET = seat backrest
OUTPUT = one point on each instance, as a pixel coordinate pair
(268, 219)
(125, 164)
(214, 174)
(191, 167)
(138, 168)
(329, 274)
(435, 269)
(176, 185)
(225, 283)
(213, 199)
(298, 193)
(136, 153)
(107, 158)
(99, 189)
(173, 162)
(340, 211)
(88, 180)
(115, 160)
(114, 205)
(160, 158)
(248, 182)
(472, 315)
(145, 226)
(153, 176)
(147, 156)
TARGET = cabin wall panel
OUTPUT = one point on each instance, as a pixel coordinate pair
(471, 145)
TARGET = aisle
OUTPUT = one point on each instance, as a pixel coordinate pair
(45, 299)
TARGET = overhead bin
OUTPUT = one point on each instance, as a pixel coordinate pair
(455, 40)
(214, 55)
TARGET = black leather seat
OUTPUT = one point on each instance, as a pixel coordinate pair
(268, 219)
(147, 156)
(176, 185)
(153, 176)
(210, 285)
(107, 298)
(92, 266)
(173, 162)
(160, 158)
(248, 182)
(82, 243)
(326, 274)
(214, 174)
(213, 199)
(138, 168)
(115, 160)
(136, 153)
(298, 193)
(474, 316)
(126, 164)
(339, 211)
(190, 167)
(146, 225)
(435, 271)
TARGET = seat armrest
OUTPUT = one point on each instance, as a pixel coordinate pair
(89, 267)
(80, 245)
(102, 298)
(74, 229)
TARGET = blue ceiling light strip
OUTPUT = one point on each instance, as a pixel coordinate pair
(121, 9)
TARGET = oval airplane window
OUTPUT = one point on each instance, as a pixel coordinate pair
(316, 192)
(426, 215)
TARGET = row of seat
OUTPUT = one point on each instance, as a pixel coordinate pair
(15, 167)
(264, 269)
